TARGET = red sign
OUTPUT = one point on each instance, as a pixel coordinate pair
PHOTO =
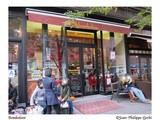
(58, 20)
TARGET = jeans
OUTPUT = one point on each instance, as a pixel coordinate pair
(138, 93)
(70, 103)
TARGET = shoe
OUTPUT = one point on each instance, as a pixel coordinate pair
(146, 101)
(131, 100)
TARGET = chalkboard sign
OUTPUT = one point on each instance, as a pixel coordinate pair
(75, 84)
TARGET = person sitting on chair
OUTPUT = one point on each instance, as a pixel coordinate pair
(64, 90)
(124, 88)
(135, 90)
(37, 97)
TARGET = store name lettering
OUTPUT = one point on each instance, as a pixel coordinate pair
(77, 24)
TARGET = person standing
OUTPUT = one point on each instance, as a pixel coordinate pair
(51, 92)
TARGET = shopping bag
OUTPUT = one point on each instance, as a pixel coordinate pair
(64, 105)
(35, 110)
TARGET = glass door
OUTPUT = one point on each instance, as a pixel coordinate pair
(74, 73)
(89, 70)
(82, 64)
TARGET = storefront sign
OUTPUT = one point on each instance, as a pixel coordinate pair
(51, 18)
(11, 73)
(78, 24)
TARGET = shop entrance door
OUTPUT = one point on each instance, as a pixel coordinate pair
(81, 61)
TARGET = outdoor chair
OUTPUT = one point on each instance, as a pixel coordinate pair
(115, 92)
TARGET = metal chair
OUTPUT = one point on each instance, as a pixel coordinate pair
(115, 91)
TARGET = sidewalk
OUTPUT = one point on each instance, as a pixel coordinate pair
(128, 107)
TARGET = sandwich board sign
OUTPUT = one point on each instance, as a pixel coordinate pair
(11, 73)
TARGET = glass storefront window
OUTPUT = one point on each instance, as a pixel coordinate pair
(73, 61)
(15, 28)
(114, 54)
(53, 51)
(106, 50)
(120, 59)
(144, 69)
(80, 37)
(34, 51)
(34, 55)
(134, 67)
(13, 64)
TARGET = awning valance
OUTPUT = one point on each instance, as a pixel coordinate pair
(46, 17)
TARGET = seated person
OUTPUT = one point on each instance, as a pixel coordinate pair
(12, 97)
(124, 88)
(37, 97)
(136, 91)
(64, 90)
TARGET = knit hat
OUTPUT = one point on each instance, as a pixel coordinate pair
(48, 72)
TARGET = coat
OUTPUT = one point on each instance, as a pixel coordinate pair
(64, 92)
(37, 96)
(51, 91)
(12, 94)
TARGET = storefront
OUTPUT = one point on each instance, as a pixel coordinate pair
(71, 52)
(140, 61)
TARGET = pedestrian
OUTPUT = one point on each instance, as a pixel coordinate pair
(12, 97)
(51, 92)
(37, 97)
(64, 90)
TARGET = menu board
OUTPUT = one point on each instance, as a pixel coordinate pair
(75, 83)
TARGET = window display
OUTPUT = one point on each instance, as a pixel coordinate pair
(53, 51)
(114, 53)
(34, 56)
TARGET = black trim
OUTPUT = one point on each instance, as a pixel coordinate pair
(23, 69)
(103, 71)
(79, 29)
(44, 41)
(126, 53)
(96, 57)
(137, 35)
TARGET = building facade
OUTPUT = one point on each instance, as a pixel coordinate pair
(38, 39)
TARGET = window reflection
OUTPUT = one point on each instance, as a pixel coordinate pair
(73, 61)
(144, 69)
(53, 51)
(134, 67)
(114, 53)
(13, 64)
(15, 28)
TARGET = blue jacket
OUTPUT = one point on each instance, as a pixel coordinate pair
(51, 91)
